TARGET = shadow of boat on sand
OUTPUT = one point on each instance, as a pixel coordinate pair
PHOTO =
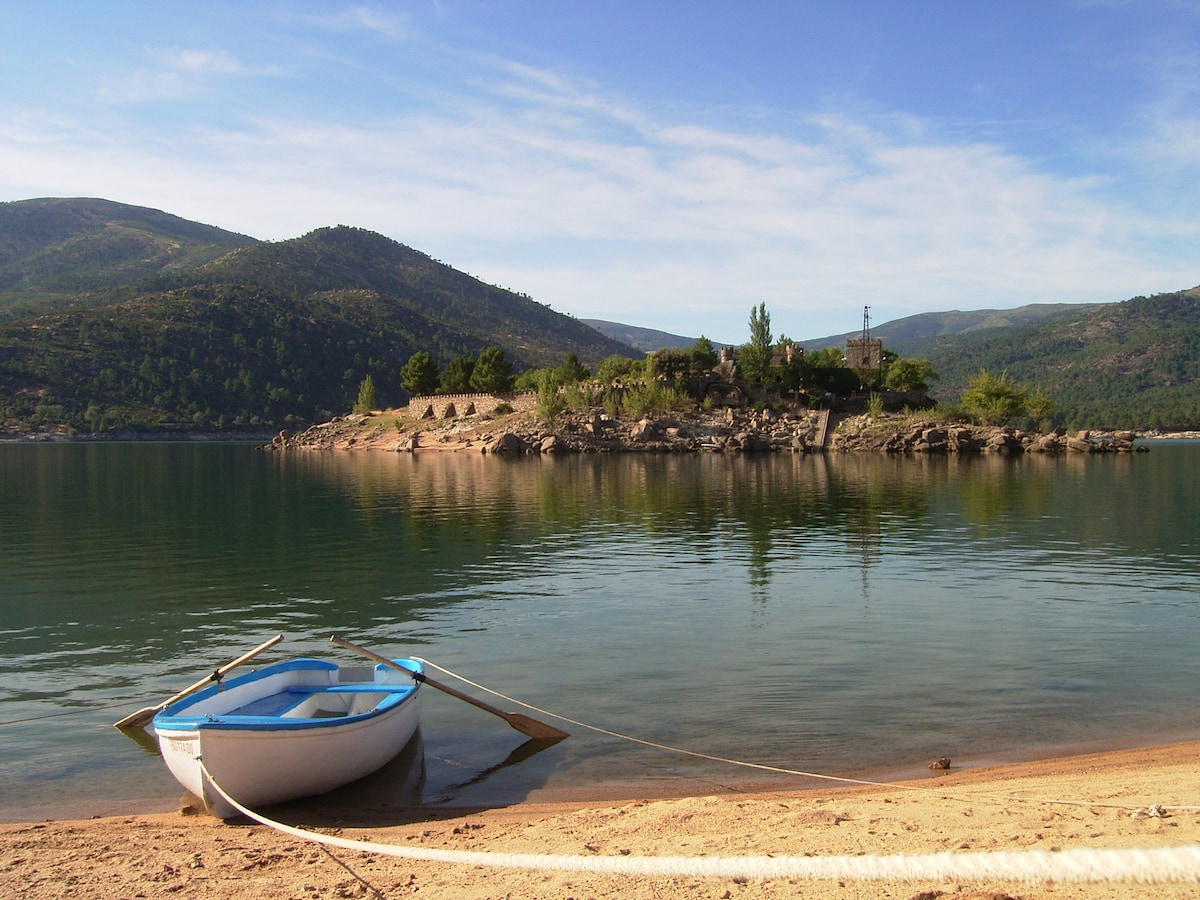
(416, 787)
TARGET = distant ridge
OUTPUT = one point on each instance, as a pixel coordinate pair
(904, 336)
(907, 335)
(647, 339)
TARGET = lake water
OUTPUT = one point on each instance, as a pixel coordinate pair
(836, 614)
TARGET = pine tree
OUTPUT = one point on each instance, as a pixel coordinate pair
(492, 374)
(420, 374)
(368, 399)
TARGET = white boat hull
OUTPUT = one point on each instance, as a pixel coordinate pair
(325, 731)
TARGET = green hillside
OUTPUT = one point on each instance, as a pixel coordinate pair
(1116, 365)
(467, 312)
(51, 250)
(252, 336)
(909, 335)
(119, 317)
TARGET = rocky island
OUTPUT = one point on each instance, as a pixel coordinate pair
(487, 424)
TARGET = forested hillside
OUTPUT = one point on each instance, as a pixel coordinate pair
(118, 317)
(911, 335)
(53, 250)
(1117, 365)
(252, 336)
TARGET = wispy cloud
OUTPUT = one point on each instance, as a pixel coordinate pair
(609, 207)
(201, 62)
(169, 74)
(383, 23)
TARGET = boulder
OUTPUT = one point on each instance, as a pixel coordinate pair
(642, 431)
(934, 436)
(1047, 443)
(1002, 440)
(506, 443)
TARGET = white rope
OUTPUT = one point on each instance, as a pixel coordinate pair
(1160, 866)
(891, 785)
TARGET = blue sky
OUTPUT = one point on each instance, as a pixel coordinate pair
(669, 165)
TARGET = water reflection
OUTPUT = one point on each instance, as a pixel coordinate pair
(818, 611)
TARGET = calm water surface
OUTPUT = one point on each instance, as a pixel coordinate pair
(830, 614)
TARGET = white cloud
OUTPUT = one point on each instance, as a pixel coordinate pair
(204, 61)
(170, 74)
(602, 208)
(387, 24)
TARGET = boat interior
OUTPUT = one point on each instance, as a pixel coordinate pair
(313, 692)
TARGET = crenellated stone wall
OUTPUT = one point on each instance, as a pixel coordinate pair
(452, 406)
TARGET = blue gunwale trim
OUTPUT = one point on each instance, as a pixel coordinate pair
(169, 720)
(281, 723)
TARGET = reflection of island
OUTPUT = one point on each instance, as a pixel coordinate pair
(463, 510)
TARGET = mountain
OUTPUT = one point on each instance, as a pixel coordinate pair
(222, 332)
(53, 249)
(907, 336)
(1111, 365)
(904, 336)
(1105, 365)
(119, 317)
(646, 339)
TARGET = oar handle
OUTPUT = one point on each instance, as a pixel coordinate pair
(524, 724)
(419, 676)
(228, 667)
(143, 716)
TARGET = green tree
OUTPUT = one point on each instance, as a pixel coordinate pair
(994, 399)
(612, 368)
(571, 370)
(827, 358)
(368, 399)
(551, 400)
(1040, 407)
(456, 377)
(420, 374)
(531, 380)
(493, 373)
(704, 356)
(756, 355)
(909, 375)
(671, 365)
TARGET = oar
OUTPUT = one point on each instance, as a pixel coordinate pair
(521, 723)
(143, 717)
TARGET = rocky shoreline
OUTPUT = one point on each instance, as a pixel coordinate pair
(722, 431)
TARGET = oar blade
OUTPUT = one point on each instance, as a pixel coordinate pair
(535, 729)
(139, 719)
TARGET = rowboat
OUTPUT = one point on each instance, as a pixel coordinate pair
(289, 730)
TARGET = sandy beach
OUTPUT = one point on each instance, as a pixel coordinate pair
(1020, 815)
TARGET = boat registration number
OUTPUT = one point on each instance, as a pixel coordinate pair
(190, 747)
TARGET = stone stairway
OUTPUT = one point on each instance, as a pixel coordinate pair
(822, 430)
